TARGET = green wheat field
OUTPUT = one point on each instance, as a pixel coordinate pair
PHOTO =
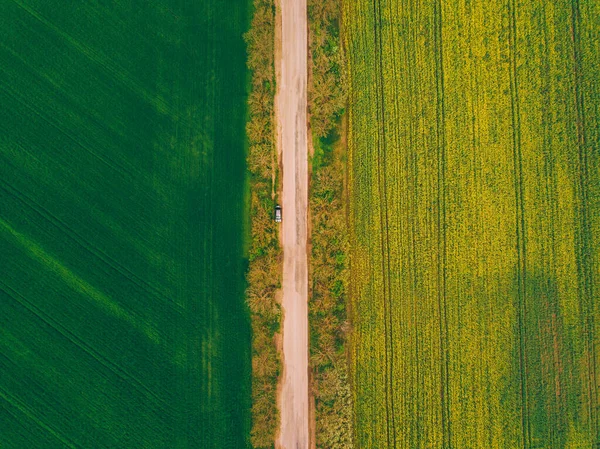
(122, 186)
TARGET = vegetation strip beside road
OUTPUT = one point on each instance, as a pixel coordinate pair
(327, 309)
(328, 317)
(264, 268)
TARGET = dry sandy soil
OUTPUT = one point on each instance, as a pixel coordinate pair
(291, 109)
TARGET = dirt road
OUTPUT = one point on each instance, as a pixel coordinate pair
(292, 143)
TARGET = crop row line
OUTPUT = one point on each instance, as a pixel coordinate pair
(73, 235)
(72, 338)
(54, 123)
(441, 227)
(20, 406)
(519, 223)
(584, 251)
(384, 221)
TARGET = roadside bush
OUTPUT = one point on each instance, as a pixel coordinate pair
(264, 267)
(329, 324)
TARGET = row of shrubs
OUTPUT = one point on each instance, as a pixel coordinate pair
(329, 324)
(264, 267)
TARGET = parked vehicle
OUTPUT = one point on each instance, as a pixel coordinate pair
(278, 214)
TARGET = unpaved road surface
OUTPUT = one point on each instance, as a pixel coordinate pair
(292, 142)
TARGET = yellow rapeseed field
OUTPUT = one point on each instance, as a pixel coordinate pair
(474, 186)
